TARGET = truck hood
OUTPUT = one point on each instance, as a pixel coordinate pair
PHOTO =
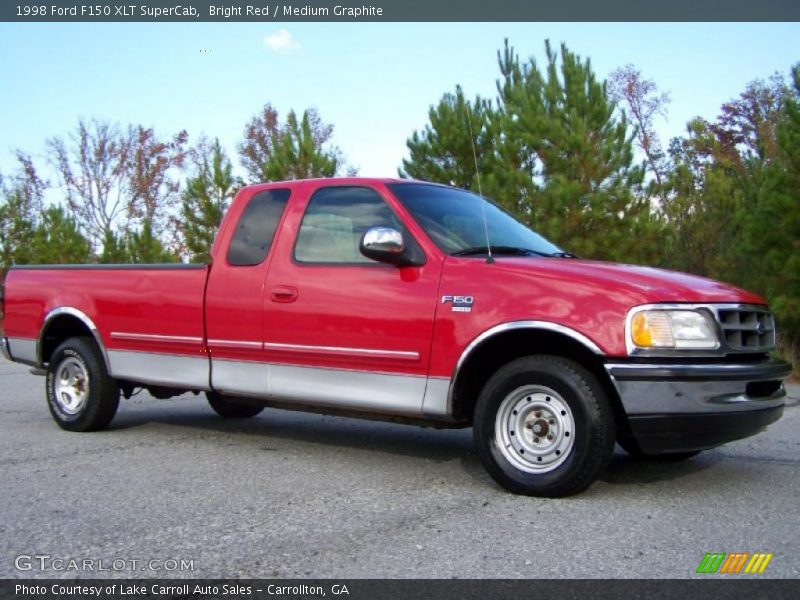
(650, 284)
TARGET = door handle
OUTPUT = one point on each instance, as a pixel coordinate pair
(283, 293)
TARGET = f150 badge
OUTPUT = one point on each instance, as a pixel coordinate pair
(459, 303)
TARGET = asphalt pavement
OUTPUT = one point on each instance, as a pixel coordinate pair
(296, 495)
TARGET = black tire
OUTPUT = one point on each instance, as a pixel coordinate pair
(80, 394)
(228, 408)
(562, 387)
(632, 448)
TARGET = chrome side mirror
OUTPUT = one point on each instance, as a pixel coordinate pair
(387, 245)
(383, 240)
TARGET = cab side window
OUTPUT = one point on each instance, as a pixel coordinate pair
(335, 220)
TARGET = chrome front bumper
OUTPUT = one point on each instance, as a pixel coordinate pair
(686, 407)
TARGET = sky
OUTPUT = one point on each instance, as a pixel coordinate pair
(373, 82)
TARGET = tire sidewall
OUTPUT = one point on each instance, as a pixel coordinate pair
(102, 394)
(55, 408)
(581, 400)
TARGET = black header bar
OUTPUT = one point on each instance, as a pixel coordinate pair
(277, 11)
(731, 588)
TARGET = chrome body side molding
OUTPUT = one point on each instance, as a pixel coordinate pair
(149, 337)
(342, 351)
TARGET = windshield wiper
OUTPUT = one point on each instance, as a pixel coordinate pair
(511, 251)
(502, 250)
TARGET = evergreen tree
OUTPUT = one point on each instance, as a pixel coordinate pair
(58, 240)
(206, 198)
(21, 202)
(584, 190)
(297, 154)
(144, 247)
(772, 229)
(16, 229)
(554, 152)
(298, 149)
(443, 151)
(114, 249)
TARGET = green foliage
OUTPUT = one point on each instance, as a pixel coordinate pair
(297, 155)
(298, 149)
(772, 229)
(16, 228)
(114, 250)
(584, 189)
(206, 198)
(443, 151)
(144, 247)
(58, 240)
(554, 152)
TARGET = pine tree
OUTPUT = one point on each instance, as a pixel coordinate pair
(58, 240)
(772, 229)
(554, 151)
(584, 189)
(206, 198)
(299, 148)
(298, 155)
(114, 249)
(144, 247)
(443, 151)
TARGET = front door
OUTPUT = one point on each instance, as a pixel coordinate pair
(341, 329)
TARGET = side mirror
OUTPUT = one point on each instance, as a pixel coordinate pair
(386, 245)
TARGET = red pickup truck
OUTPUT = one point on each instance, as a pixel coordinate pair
(382, 299)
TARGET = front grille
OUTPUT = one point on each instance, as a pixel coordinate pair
(747, 328)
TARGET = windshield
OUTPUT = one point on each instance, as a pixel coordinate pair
(453, 219)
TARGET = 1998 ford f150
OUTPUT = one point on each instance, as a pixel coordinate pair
(381, 298)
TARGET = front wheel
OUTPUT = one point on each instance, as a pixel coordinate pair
(227, 407)
(80, 394)
(544, 427)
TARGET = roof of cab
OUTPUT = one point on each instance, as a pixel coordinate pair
(334, 181)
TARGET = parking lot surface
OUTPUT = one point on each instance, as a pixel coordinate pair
(296, 495)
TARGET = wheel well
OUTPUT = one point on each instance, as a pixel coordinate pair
(59, 329)
(504, 347)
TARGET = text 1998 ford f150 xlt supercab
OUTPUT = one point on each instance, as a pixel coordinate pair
(379, 298)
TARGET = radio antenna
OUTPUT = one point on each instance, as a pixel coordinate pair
(489, 258)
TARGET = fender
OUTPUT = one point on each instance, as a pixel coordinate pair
(510, 326)
(83, 318)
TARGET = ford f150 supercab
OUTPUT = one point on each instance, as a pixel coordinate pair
(418, 303)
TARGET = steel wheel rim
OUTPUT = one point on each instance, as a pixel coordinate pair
(535, 429)
(71, 385)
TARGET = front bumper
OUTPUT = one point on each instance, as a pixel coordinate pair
(687, 407)
(4, 348)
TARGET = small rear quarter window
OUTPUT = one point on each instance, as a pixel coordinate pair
(256, 227)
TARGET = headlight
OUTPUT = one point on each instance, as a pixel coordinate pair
(679, 329)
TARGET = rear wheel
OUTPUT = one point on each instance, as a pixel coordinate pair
(543, 427)
(80, 394)
(227, 407)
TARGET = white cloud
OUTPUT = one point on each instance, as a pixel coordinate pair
(281, 41)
